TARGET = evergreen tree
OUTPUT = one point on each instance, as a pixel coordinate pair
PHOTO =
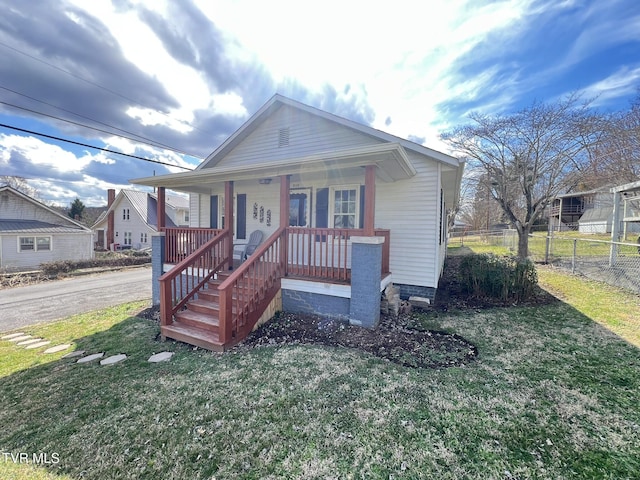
(77, 209)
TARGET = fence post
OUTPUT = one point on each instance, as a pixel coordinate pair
(573, 258)
(547, 242)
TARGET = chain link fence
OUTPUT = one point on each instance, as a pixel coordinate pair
(615, 263)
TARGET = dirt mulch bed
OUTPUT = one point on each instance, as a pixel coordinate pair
(397, 339)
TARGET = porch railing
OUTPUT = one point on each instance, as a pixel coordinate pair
(247, 292)
(190, 275)
(325, 253)
(182, 242)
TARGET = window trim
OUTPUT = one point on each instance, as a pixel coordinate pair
(125, 214)
(35, 243)
(332, 197)
(124, 242)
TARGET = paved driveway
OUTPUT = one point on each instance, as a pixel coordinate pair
(44, 302)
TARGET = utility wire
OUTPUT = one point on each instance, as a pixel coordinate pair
(92, 146)
(113, 92)
(152, 142)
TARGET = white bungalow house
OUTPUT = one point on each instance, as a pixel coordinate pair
(32, 233)
(135, 217)
(344, 209)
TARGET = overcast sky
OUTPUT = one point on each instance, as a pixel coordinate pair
(184, 75)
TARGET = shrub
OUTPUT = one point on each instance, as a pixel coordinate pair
(110, 260)
(503, 278)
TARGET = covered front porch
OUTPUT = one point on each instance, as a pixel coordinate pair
(312, 244)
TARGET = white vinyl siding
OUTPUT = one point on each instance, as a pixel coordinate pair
(63, 246)
(194, 208)
(17, 208)
(307, 134)
(410, 209)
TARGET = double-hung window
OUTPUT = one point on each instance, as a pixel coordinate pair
(125, 214)
(344, 207)
(127, 238)
(34, 244)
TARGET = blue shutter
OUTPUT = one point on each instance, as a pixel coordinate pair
(241, 216)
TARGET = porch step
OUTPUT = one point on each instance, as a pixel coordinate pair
(193, 336)
(203, 305)
(196, 319)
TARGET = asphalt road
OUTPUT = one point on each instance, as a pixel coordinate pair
(45, 302)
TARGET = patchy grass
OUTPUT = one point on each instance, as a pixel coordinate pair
(552, 395)
(74, 331)
(613, 308)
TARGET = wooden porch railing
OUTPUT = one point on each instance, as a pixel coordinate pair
(325, 253)
(250, 288)
(182, 242)
(190, 275)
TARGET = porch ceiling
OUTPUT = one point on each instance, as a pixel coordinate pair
(390, 158)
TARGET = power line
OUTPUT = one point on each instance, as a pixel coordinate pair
(113, 92)
(152, 142)
(31, 132)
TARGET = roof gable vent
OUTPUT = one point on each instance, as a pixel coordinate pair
(283, 137)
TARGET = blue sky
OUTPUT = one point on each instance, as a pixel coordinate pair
(187, 74)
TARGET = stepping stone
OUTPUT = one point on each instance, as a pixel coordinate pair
(88, 358)
(30, 341)
(12, 335)
(38, 345)
(113, 359)
(57, 348)
(20, 338)
(160, 357)
(77, 353)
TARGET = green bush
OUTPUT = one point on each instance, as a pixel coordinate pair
(106, 260)
(503, 278)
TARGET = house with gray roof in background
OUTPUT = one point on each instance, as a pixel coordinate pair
(32, 233)
(132, 217)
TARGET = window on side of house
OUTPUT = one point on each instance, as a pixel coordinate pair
(143, 237)
(34, 244)
(343, 206)
(125, 214)
(127, 238)
(27, 244)
(43, 243)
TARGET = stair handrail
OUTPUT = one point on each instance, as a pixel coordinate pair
(203, 263)
(261, 272)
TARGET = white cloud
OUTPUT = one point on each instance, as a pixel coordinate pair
(623, 82)
(143, 48)
(38, 152)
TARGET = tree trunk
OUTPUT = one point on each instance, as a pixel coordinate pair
(523, 243)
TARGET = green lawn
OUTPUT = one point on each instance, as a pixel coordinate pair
(553, 394)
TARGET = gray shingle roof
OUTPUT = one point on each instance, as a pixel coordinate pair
(35, 226)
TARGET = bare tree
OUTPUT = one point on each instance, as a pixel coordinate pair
(528, 157)
(615, 158)
(20, 184)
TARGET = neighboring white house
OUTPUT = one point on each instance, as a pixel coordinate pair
(325, 157)
(135, 218)
(32, 233)
(591, 211)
